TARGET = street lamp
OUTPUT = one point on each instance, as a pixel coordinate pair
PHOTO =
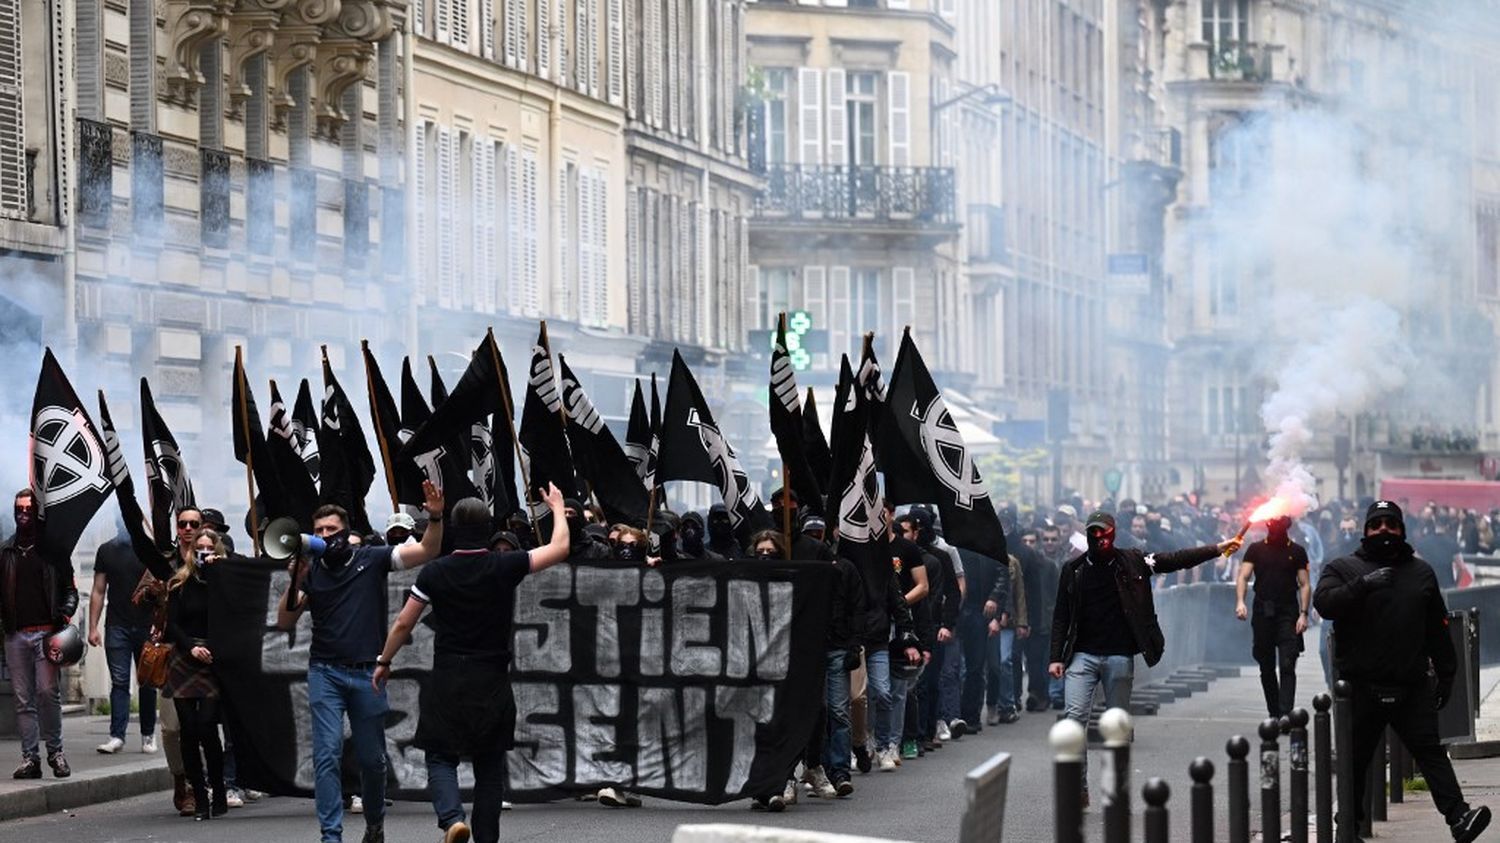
(988, 95)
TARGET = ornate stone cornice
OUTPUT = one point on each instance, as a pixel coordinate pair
(252, 31)
(189, 25)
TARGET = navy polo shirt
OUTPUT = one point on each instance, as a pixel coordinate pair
(348, 606)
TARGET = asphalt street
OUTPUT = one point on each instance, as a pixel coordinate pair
(922, 801)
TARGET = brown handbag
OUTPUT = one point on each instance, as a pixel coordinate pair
(151, 667)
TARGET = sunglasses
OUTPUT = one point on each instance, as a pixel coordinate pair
(189, 525)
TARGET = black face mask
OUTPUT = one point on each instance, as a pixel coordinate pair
(26, 520)
(628, 552)
(719, 530)
(765, 554)
(692, 540)
(1101, 542)
(1382, 545)
(338, 551)
(575, 526)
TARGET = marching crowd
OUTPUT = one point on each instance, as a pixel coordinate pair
(949, 644)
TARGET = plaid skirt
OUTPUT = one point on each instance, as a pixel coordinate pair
(190, 679)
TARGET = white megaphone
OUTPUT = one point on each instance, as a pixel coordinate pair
(284, 539)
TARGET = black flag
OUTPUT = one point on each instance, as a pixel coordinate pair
(854, 500)
(348, 469)
(439, 389)
(907, 476)
(929, 430)
(813, 441)
(252, 449)
(168, 488)
(544, 442)
(786, 426)
(611, 476)
(692, 448)
(136, 523)
(640, 439)
(414, 409)
(438, 451)
(305, 428)
(297, 487)
(390, 431)
(479, 444)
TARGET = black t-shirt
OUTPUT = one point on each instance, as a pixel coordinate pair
(1276, 567)
(1102, 627)
(122, 571)
(473, 597)
(348, 606)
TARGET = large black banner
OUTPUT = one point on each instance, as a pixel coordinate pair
(692, 682)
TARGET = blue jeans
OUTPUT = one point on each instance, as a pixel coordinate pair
(1084, 676)
(489, 789)
(1001, 686)
(1017, 672)
(122, 646)
(900, 689)
(836, 749)
(333, 691)
(973, 635)
(950, 681)
(878, 697)
(34, 681)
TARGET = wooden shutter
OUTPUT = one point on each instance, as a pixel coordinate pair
(544, 38)
(840, 322)
(810, 115)
(593, 52)
(814, 294)
(750, 298)
(838, 152)
(674, 69)
(562, 276)
(446, 196)
(460, 23)
(654, 55)
(531, 294)
(904, 298)
(14, 193)
(419, 224)
(514, 228)
(442, 17)
(615, 92)
(487, 29)
(630, 75)
(485, 225)
(899, 92)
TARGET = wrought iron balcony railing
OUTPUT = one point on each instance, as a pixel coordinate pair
(96, 172)
(213, 189)
(147, 185)
(1239, 61)
(922, 195)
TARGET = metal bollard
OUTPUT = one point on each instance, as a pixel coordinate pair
(1270, 780)
(1343, 743)
(1323, 767)
(1068, 740)
(1156, 792)
(1375, 789)
(1202, 773)
(1297, 779)
(1398, 766)
(1115, 727)
(1239, 790)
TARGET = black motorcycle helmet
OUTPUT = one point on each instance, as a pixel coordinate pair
(66, 646)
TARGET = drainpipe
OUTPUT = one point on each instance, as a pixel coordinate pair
(409, 117)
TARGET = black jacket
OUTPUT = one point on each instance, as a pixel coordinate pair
(57, 581)
(1133, 583)
(1387, 635)
(984, 579)
(847, 609)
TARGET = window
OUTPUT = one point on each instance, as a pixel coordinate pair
(1226, 23)
(1235, 150)
(1223, 285)
(1227, 410)
(775, 296)
(1489, 253)
(778, 80)
(860, 98)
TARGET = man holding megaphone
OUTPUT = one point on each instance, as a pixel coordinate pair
(345, 589)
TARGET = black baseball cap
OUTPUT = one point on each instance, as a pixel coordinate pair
(1100, 518)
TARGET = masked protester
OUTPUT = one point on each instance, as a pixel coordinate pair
(766, 546)
(345, 589)
(467, 708)
(629, 544)
(1105, 616)
(1282, 595)
(584, 544)
(1391, 630)
(692, 538)
(190, 679)
(721, 533)
(37, 598)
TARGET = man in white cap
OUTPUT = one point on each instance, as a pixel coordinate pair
(399, 528)
(1067, 521)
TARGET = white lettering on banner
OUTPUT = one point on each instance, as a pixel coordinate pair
(604, 589)
(596, 708)
(748, 708)
(543, 639)
(668, 745)
(540, 758)
(691, 596)
(768, 623)
(430, 463)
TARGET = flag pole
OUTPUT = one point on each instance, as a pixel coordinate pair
(385, 447)
(510, 422)
(786, 511)
(244, 411)
(562, 411)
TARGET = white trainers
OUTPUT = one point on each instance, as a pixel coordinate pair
(615, 798)
(111, 746)
(942, 732)
(789, 795)
(234, 799)
(818, 784)
(356, 805)
(148, 744)
(888, 760)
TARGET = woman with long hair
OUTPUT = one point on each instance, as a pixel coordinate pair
(190, 678)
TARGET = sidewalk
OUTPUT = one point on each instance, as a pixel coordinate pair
(96, 778)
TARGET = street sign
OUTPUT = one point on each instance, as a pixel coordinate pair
(1112, 480)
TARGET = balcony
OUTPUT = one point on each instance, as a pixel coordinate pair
(96, 173)
(147, 186)
(1238, 61)
(903, 195)
(213, 190)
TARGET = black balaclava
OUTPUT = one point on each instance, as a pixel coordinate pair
(576, 522)
(338, 550)
(691, 534)
(921, 519)
(629, 551)
(665, 527)
(26, 518)
(720, 528)
(1276, 529)
(1384, 547)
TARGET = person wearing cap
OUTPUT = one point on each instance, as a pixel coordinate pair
(1282, 595)
(1391, 643)
(215, 519)
(1067, 521)
(1105, 616)
(399, 528)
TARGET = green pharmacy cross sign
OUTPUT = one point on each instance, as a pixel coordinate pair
(798, 324)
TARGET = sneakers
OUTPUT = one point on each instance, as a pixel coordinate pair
(887, 760)
(862, 760)
(356, 805)
(908, 750)
(818, 784)
(31, 768)
(111, 746)
(775, 804)
(252, 795)
(1009, 716)
(992, 716)
(615, 798)
(456, 833)
(958, 727)
(59, 764)
(1471, 825)
(148, 744)
(233, 798)
(843, 787)
(942, 732)
(789, 793)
